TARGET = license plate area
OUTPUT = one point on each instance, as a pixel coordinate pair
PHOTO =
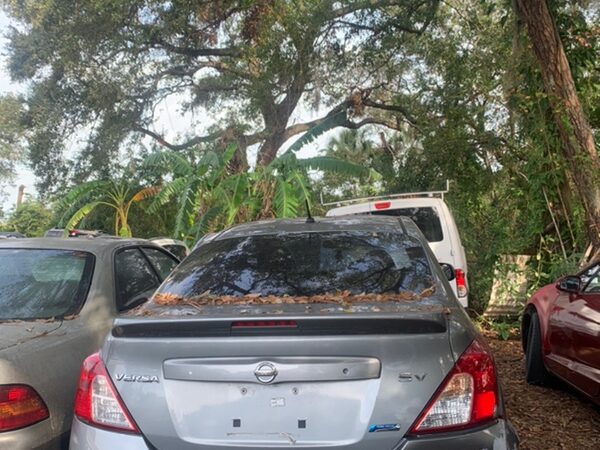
(305, 413)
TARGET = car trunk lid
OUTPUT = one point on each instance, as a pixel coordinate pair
(303, 380)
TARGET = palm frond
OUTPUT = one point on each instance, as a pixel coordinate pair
(169, 190)
(145, 193)
(374, 175)
(283, 162)
(185, 212)
(201, 226)
(84, 193)
(219, 170)
(81, 213)
(285, 201)
(174, 161)
(233, 190)
(228, 153)
(330, 123)
(208, 160)
(302, 185)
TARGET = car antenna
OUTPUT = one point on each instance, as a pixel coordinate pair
(309, 218)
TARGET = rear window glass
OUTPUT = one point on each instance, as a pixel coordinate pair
(36, 284)
(427, 219)
(303, 264)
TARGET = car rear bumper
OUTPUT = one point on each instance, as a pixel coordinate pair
(498, 436)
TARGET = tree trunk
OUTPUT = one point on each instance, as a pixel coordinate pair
(576, 137)
(268, 151)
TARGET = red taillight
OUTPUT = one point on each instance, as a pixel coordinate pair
(97, 402)
(20, 406)
(467, 397)
(383, 205)
(264, 324)
(461, 282)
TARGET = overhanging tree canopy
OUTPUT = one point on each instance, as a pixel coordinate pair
(105, 66)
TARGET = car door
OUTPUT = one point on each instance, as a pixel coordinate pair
(585, 309)
(573, 321)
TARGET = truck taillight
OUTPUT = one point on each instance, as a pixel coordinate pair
(383, 205)
(467, 397)
(20, 406)
(97, 402)
(461, 282)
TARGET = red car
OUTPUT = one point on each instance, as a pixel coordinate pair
(561, 332)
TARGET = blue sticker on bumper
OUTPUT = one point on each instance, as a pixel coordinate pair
(384, 427)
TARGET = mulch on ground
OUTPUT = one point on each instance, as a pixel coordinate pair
(550, 417)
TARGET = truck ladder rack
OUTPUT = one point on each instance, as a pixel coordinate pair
(390, 197)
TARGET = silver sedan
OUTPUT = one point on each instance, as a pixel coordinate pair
(58, 298)
(332, 333)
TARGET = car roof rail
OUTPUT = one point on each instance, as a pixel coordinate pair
(428, 194)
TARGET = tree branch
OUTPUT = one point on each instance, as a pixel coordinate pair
(372, 4)
(357, 6)
(298, 128)
(176, 147)
(370, 121)
(249, 139)
(395, 108)
(198, 52)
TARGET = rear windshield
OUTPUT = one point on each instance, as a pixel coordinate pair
(40, 284)
(427, 219)
(303, 264)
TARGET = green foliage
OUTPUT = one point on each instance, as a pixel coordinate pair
(336, 120)
(12, 135)
(114, 196)
(503, 329)
(31, 218)
(354, 147)
(209, 197)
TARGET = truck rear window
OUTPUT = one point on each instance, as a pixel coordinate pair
(40, 284)
(303, 264)
(427, 219)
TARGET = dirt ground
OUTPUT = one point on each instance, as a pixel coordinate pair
(552, 417)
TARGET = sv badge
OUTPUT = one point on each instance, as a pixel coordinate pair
(406, 377)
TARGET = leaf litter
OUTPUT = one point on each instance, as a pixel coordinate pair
(343, 298)
(545, 417)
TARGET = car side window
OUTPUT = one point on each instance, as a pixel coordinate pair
(162, 262)
(136, 279)
(590, 279)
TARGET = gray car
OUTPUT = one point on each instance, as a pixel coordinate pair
(330, 333)
(58, 298)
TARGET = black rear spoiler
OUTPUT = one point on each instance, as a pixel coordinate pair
(279, 326)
